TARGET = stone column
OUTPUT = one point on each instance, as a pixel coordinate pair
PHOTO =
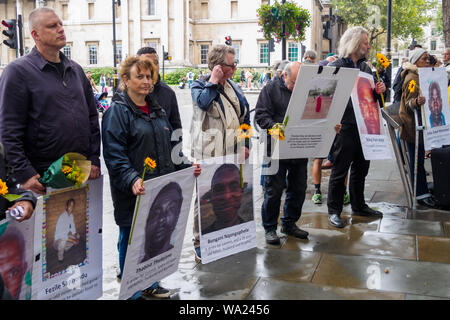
(137, 30)
(124, 25)
(164, 14)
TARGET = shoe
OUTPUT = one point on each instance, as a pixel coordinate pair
(335, 220)
(272, 237)
(198, 255)
(368, 212)
(118, 277)
(327, 165)
(295, 232)
(158, 292)
(427, 202)
(317, 198)
(346, 198)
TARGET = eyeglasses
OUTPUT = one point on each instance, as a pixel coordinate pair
(234, 65)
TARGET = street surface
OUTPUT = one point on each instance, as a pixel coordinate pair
(404, 255)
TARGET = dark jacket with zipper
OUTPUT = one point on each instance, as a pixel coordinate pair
(129, 136)
(166, 98)
(45, 114)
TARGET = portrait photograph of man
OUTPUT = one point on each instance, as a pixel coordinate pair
(225, 203)
(66, 231)
(367, 113)
(161, 221)
(435, 104)
(15, 262)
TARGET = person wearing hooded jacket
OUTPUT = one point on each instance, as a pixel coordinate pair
(410, 100)
(135, 127)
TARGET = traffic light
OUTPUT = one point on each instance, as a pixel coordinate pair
(228, 41)
(166, 56)
(327, 30)
(11, 33)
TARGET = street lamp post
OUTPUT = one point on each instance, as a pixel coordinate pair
(283, 41)
(388, 41)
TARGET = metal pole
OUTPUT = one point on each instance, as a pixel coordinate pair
(331, 29)
(283, 41)
(115, 77)
(388, 41)
(163, 63)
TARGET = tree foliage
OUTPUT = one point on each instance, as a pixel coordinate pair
(408, 16)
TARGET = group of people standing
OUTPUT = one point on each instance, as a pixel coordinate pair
(38, 126)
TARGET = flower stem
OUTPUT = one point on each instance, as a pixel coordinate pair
(382, 94)
(137, 209)
(242, 178)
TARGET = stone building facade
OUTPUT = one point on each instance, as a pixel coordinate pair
(185, 28)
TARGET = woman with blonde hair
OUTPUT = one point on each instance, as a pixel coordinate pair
(135, 127)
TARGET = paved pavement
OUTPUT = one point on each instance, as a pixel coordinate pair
(405, 255)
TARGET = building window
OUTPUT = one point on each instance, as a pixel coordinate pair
(92, 53)
(65, 12)
(153, 44)
(67, 50)
(151, 7)
(204, 48)
(90, 10)
(234, 9)
(292, 51)
(433, 45)
(237, 48)
(263, 52)
(205, 10)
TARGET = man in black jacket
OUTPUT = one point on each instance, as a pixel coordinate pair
(47, 107)
(162, 92)
(354, 48)
(271, 109)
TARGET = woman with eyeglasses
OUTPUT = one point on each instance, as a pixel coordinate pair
(220, 107)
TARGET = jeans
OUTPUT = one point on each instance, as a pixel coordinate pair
(292, 174)
(422, 191)
(122, 246)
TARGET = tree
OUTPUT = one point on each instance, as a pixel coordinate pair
(408, 16)
(446, 21)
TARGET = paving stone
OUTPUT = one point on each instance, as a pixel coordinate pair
(433, 249)
(382, 274)
(408, 226)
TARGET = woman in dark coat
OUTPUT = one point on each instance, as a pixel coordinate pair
(135, 127)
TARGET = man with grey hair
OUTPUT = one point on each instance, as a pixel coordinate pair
(220, 108)
(47, 107)
(310, 57)
(292, 173)
(353, 50)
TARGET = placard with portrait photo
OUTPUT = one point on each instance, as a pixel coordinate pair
(316, 106)
(158, 230)
(226, 218)
(68, 242)
(372, 131)
(436, 110)
(16, 256)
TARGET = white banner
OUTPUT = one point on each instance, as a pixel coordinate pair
(226, 219)
(159, 229)
(68, 242)
(372, 132)
(436, 110)
(317, 104)
(16, 256)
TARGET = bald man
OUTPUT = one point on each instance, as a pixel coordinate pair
(47, 107)
(271, 109)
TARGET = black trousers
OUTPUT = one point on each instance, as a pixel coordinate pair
(347, 154)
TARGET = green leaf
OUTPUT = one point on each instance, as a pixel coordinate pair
(11, 197)
(286, 121)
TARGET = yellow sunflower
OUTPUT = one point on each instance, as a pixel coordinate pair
(412, 86)
(3, 188)
(383, 60)
(150, 163)
(244, 132)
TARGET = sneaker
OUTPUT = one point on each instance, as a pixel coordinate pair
(317, 198)
(272, 237)
(346, 198)
(295, 232)
(158, 292)
(198, 255)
